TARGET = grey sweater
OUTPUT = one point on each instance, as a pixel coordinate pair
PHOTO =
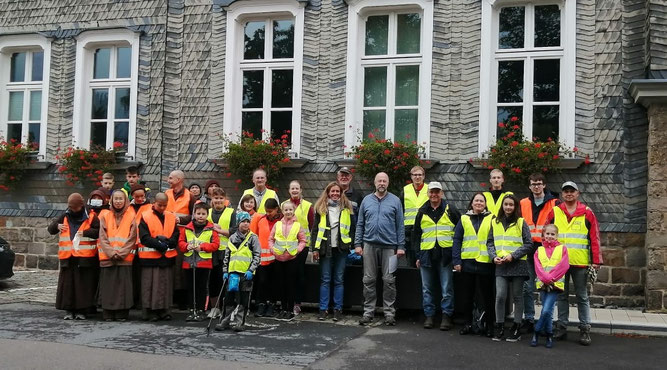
(517, 267)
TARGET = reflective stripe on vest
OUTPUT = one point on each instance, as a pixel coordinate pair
(527, 212)
(180, 206)
(240, 258)
(442, 232)
(574, 235)
(224, 221)
(548, 264)
(412, 202)
(117, 234)
(344, 225)
(87, 247)
(157, 228)
(267, 194)
(289, 243)
(493, 206)
(508, 241)
(301, 214)
(204, 237)
(474, 243)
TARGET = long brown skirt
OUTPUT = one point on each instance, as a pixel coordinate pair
(77, 287)
(157, 285)
(116, 288)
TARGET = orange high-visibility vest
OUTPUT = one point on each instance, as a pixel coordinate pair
(527, 214)
(157, 228)
(264, 231)
(180, 206)
(117, 234)
(144, 208)
(87, 246)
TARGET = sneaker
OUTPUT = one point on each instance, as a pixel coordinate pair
(527, 326)
(288, 316)
(270, 311)
(338, 315)
(200, 316)
(281, 315)
(297, 309)
(79, 316)
(366, 320)
(190, 317)
(550, 341)
(261, 310)
(69, 316)
(515, 333)
(428, 322)
(224, 323)
(239, 327)
(533, 342)
(214, 313)
(561, 332)
(323, 315)
(446, 322)
(390, 321)
(585, 336)
(498, 332)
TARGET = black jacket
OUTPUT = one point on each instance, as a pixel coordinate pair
(325, 245)
(437, 253)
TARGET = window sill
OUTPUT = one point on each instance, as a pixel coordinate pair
(294, 163)
(426, 163)
(565, 163)
(39, 165)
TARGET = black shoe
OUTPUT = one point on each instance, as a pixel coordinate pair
(338, 315)
(390, 321)
(323, 315)
(585, 336)
(466, 329)
(561, 332)
(446, 322)
(365, 320)
(498, 332)
(270, 311)
(527, 326)
(533, 342)
(224, 324)
(261, 310)
(428, 323)
(515, 334)
(550, 341)
(288, 316)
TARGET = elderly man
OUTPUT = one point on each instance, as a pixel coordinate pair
(380, 231)
(434, 232)
(260, 191)
(180, 202)
(344, 178)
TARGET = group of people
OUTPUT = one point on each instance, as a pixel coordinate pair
(194, 249)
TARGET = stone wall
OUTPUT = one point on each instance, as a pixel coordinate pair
(33, 245)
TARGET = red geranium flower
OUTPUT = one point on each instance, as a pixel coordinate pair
(514, 119)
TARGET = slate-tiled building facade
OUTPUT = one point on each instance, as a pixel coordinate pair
(181, 94)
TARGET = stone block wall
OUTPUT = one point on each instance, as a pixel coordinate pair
(34, 247)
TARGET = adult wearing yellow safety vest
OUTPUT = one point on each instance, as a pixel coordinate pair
(332, 237)
(412, 197)
(224, 223)
(116, 251)
(305, 215)
(472, 260)
(580, 232)
(508, 244)
(433, 233)
(242, 256)
(496, 194)
(79, 271)
(260, 191)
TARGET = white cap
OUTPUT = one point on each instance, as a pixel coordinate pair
(570, 184)
(434, 185)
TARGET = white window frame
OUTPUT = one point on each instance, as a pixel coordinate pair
(87, 42)
(490, 55)
(238, 14)
(358, 13)
(21, 43)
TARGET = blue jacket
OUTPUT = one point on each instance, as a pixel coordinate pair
(380, 221)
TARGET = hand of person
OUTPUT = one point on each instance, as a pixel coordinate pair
(418, 264)
(248, 275)
(498, 260)
(79, 233)
(457, 268)
(316, 256)
(508, 258)
(62, 227)
(400, 252)
(225, 276)
(359, 251)
(596, 266)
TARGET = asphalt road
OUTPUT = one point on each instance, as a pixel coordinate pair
(33, 336)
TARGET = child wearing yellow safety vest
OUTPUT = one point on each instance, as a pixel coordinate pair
(287, 239)
(197, 243)
(508, 244)
(224, 223)
(551, 265)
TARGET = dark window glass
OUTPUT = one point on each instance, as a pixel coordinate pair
(254, 40)
(124, 63)
(510, 81)
(377, 35)
(375, 87)
(511, 28)
(37, 65)
(15, 106)
(409, 33)
(283, 39)
(98, 134)
(100, 103)
(545, 122)
(33, 135)
(546, 79)
(120, 134)
(374, 122)
(122, 103)
(102, 59)
(14, 132)
(281, 88)
(17, 69)
(252, 123)
(405, 125)
(407, 85)
(504, 114)
(281, 122)
(253, 89)
(547, 25)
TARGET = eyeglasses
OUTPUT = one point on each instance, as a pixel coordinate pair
(536, 185)
(416, 174)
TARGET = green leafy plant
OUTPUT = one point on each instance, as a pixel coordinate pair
(14, 158)
(396, 159)
(248, 153)
(85, 166)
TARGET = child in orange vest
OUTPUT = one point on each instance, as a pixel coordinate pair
(266, 276)
(550, 273)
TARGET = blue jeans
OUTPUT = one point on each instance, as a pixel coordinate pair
(579, 278)
(437, 274)
(545, 322)
(528, 290)
(335, 262)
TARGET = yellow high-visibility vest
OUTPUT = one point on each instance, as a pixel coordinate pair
(267, 195)
(344, 225)
(549, 263)
(412, 202)
(474, 243)
(287, 243)
(493, 206)
(224, 221)
(301, 214)
(240, 257)
(574, 235)
(204, 237)
(508, 241)
(441, 232)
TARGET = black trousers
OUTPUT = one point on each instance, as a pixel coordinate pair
(286, 276)
(478, 288)
(300, 275)
(201, 277)
(266, 283)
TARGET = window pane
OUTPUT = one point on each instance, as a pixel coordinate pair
(374, 122)
(37, 65)
(512, 27)
(33, 135)
(14, 132)
(547, 79)
(407, 85)
(100, 102)
(547, 26)
(120, 134)
(252, 123)
(35, 105)
(17, 72)
(281, 88)
(253, 91)
(510, 81)
(377, 33)
(123, 63)
(283, 39)
(122, 103)
(545, 122)
(405, 126)
(98, 134)
(375, 87)
(254, 40)
(505, 114)
(281, 122)
(409, 29)
(15, 106)
(102, 57)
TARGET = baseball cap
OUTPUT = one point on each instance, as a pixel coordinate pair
(570, 184)
(434, 185)
(242, 216)
(345, 170)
